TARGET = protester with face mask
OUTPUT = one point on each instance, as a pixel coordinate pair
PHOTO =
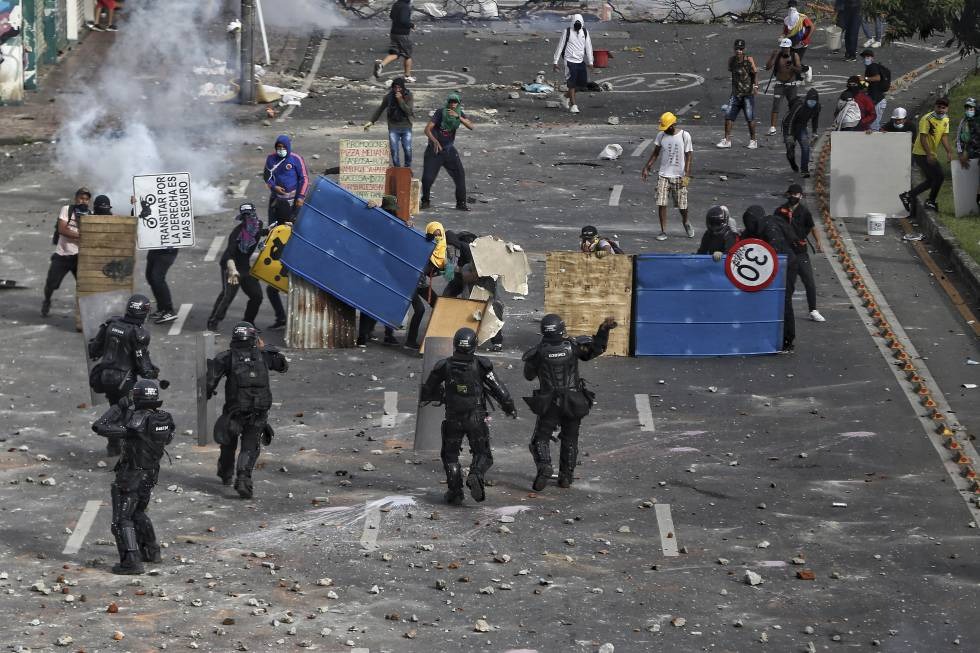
(441, 151)
(675, 170)
(933, 132)
(799, 217)
(234, 267)
(899, 123)
(575, 52)
(398, 101)
(285, 175)
(799, 124)
(968, 136)
(879, 79)
(65, 257)
(798, 28)
(858, 91)
(786, 68)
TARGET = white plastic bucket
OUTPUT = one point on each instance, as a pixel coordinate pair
(876, 224)
(834, 37)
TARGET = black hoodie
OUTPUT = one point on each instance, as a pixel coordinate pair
(799, 115)
(775, 231)
(401, 18)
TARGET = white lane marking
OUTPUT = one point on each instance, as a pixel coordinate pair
(712, 35)
(917, 46)
(308, 82)
(644, 412)
(687, 107)
(215, 248)
(241, 189)
(372, 523)
(85, 522)
(360, 650)
(178, 324)
(644, 144)
(617, 190)
(390, 411)
(668, 538)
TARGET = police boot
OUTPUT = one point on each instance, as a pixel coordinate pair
(566, 467)
(130, 564)
(113, 447)
(151, 553)
(475, 483)
(541, 453)
(243, 482)
(226, 474)
(454, 479)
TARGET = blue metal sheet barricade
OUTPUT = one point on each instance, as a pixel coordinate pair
(685, 305)
(363, 256)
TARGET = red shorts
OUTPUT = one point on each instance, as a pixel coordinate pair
(107, 4)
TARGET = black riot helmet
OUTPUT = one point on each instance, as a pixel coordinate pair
(146, 394)
(589, 232)
(246, 209)
(716, 219)
(464, 342)
(244, 333)
(137, 308)
(552, 327)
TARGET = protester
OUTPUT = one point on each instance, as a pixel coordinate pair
(855, 109)
(158, 263)
(798, 28)
(400, 44)
(66, 237)
(849, 19)
(874, 36)
(786, 68)
(933, 132)
(591, 242)
(441, 151)
(424, 293)
(463, 383)
(780, 235)
(110, 10)
(899, 122)
(145, 431)
(968, 136)
(281, 214)
(798, 125)
(675, 170)
(575, 51)
(879, 79)
(398, 102)
(286, 176)
(718, 235)
(799, 217)
(742, 100)
(234, 268)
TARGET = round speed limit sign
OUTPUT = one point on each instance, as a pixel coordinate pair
(751, 264)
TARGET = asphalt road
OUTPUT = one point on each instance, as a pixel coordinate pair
(748, 473)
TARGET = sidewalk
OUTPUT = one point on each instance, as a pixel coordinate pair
(39, 117)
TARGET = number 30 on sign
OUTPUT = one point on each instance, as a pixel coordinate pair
(751, 264)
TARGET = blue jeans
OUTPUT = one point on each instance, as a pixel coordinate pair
(741, 103)
(402, 136)
(879, 28)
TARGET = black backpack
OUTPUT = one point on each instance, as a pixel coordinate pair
(886, 77)
(71, 212)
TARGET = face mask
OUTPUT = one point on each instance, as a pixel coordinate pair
(81, 208)
(281, 153)
(867, 61)
(970, 113)
(578, 27)
(941, 112)
(794, 199)
(899, 123)
(811, 103)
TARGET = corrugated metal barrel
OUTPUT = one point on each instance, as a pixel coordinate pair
(317, 320)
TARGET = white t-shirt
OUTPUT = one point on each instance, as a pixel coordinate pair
(672, 150)
(67, 246)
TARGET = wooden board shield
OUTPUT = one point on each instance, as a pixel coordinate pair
(584, 290)
(451, 314)
(268, 266)
(106, 253)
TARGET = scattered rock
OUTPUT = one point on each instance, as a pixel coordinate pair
(678, 622)
(513, 95)
(764, 544)
(118, 635)
(367, 467)
(613, 120)
(623, 529)
(752, 578)
(481, 626)
(607, 648)
(325, 582)
(64, 640)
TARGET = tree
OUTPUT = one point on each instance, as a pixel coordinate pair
(915, 18)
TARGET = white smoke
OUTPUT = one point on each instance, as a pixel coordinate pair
(142, 115)
(301, 15)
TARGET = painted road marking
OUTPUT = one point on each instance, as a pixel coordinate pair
(917, 46)
(668, 538)
(182, 313)
(431, 79)
(617, 190)
(653, 82)
(308, 82)
(372, 523)
(360, 650)
(644, 144)
(687, 107)
(85, 522)
(216, 245)
(391, 410)
(240, 189)
(644, 412)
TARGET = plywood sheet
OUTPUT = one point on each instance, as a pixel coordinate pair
(965, 184)
(450, 315)
(584, 290)
(868, 172)
(106, 254)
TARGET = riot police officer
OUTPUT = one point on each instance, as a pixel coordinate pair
(466, 383)
(562, 399)
(122, 348)
(248, 398)
(145, 431)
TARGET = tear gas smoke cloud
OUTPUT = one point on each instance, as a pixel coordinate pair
(300, 15)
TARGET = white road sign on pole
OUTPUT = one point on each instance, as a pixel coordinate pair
(164, 210)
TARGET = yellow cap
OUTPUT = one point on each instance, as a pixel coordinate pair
(666, 120)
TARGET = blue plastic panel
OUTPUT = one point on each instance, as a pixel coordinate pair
(684, 305)
(363, 256)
